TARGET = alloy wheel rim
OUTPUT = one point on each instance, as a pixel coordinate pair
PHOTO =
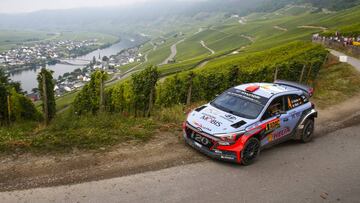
(308, 131)
(251, 151)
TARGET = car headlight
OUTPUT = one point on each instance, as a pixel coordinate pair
(229, 139)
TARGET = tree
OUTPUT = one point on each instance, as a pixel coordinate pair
(46, 87)
(105, 58)
(14, 106)
(4, 93)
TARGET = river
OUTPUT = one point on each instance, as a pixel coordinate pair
(27, 78)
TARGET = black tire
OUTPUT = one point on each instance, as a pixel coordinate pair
(250, 152)
(307, 133)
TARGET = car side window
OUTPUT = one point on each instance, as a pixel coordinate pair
(275, 108)
(293, 101)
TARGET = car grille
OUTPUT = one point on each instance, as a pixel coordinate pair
(199, 138)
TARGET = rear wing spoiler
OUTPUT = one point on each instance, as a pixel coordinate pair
(309, 90)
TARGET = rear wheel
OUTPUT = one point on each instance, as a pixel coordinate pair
(308, 131)
(250, 152)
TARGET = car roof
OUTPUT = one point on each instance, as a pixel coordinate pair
(267, 89)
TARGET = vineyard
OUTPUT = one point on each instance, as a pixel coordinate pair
(139, 96)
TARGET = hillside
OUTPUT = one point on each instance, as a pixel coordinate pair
(255, 32)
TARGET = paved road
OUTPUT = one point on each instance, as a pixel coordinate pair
(351, 60)
(325, 170)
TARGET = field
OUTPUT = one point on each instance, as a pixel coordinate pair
(13, 38)
(10, 38)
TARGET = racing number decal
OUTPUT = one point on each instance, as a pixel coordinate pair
(200, 139)
(272, 125)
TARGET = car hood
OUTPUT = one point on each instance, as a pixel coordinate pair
(214, 121)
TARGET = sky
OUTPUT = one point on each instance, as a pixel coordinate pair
(20, 6)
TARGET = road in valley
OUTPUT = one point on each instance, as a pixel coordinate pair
(206, 47)
(172, 54)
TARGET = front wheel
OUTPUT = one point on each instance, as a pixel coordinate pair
(250, 152)
(308, 131)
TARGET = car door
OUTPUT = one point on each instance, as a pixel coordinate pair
(294, 108)
(274, 120)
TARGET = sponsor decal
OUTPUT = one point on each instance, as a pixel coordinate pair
(250, 96)
(281, 133)
(212, 111)
(295, 115)
(211, 119)
(230, 117)
(272, 125)
(199, 125)
(269, 138)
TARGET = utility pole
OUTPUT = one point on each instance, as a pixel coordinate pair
(45, 99)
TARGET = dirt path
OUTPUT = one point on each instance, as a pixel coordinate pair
(172, 54)
(252, 39)
(313, 27)
(206, 47)
(280, 28)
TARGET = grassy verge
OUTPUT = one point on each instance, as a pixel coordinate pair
(335, 84)
(68, 131)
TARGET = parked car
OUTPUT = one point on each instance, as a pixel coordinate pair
(245, 119)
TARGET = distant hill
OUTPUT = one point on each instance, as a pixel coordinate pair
(334, 5)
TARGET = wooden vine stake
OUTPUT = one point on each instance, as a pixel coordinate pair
(302, 73)
(276, 74)
(188, 98)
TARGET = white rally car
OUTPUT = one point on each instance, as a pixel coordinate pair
(244, 119)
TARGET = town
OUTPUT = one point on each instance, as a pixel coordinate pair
(33, 57)
(47, 52)
(79, 77)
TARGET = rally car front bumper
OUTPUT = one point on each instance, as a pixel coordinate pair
(213, 153)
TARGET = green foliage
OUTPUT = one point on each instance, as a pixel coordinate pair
(14, 102)
(143, 85)
(260, 67)
(88, 99)
(22, 108)
(49, 90)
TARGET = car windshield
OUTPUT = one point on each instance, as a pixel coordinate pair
(238, 106)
